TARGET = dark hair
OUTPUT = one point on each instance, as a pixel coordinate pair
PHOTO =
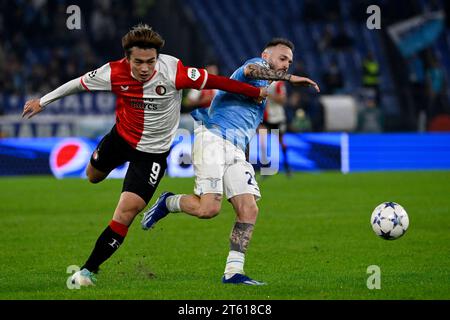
(276, 41)
(142, 36)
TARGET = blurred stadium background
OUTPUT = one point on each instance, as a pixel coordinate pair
(384, 106)
(380, 81)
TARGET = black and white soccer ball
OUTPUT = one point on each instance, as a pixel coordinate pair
(389, 220)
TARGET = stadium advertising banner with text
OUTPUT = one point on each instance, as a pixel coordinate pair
(99, 103)
(68, 157)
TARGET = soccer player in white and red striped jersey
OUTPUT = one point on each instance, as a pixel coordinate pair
(148, 87)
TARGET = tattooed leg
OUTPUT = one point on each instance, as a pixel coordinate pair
(240, 236)
(239, 240)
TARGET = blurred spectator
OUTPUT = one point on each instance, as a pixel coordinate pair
(2, 65)
(102, 25)
(299, 98)
(275, 117)
(296, 117)
(371, 75)
(326, 39)
(436, 86)
(332, 79)
(299, 69)
(40, 51)
(202, 98)
(293, 103)
(300, 122)
(416, 78)
(370, 116)
(440, 123)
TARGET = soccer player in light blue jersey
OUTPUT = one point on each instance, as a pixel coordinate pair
(219, 156)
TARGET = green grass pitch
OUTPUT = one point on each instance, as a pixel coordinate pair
(313, 240)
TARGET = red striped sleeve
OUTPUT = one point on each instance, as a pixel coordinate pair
(83, 84)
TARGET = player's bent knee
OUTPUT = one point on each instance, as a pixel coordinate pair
(94, 180)
(126, 212)
(132, 207)
(209, 212)
(94, 176)
(248, 210)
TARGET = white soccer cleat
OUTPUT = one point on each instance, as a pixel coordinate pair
(83, 278)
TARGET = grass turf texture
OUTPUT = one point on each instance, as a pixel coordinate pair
(313, 240)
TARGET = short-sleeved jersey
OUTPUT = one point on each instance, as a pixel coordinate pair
(147, 113)
(235, 117)
(274, 112)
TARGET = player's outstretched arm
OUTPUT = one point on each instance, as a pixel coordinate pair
(34, 106)
(234, 86)
(255, 71)
(193, 78)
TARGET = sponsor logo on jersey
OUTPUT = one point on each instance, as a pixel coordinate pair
(193, 74)
(124, 88)
(92, 74)
(144, 104)
(161, 90)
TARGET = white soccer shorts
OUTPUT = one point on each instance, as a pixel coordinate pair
(221, 166)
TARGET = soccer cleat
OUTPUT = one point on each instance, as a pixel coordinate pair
(238, 278)
(156, 212)
(83, 278)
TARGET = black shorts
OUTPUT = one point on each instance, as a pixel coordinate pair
(144, 172)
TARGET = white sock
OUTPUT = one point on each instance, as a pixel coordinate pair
(235, 263)
(173, 203)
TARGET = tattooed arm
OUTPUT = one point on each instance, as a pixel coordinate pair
(255, 71)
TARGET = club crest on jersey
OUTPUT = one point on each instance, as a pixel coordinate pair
(161, 90)
(193, 74)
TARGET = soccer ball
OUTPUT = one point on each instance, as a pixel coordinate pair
(389, 220)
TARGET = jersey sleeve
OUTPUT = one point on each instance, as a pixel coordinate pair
(98, 79)
(256, 82)
(259, 61)
(190, 78)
